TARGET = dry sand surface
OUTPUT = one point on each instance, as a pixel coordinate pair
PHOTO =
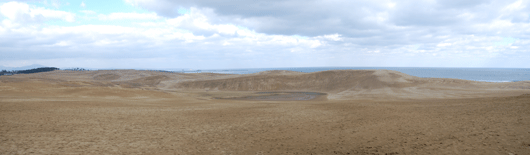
(357, 112)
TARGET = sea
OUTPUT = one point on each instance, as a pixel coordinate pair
(475, 74)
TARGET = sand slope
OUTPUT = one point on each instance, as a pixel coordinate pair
(367, 112)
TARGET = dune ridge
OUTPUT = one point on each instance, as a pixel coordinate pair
(357, 84)
(339, 84)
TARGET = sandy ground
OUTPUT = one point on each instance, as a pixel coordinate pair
(374, 112)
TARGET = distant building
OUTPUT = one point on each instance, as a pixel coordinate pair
(8, 73)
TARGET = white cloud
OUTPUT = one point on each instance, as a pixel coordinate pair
(517, 5)
(129, 16)
(334, 37)
(21, 13)
(69, 17)
(13, 9)
(444, 44)
(207, 33)
(62, 43)
(82, 4)
(391, 4)
(167, 34)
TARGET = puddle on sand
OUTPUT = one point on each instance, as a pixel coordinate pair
(280, 96)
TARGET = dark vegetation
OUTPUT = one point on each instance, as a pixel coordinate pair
(37, 70)
(29, 71)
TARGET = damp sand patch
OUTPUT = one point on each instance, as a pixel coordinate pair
(281, 96)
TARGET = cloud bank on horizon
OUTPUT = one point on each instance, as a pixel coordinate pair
(261, 34)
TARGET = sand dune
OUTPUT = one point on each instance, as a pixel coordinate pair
(365, 112)
(339, 84)
(357, 84)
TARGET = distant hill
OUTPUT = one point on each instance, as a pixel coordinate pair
(21, 68)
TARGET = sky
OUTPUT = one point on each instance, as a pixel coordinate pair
(206, 34)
